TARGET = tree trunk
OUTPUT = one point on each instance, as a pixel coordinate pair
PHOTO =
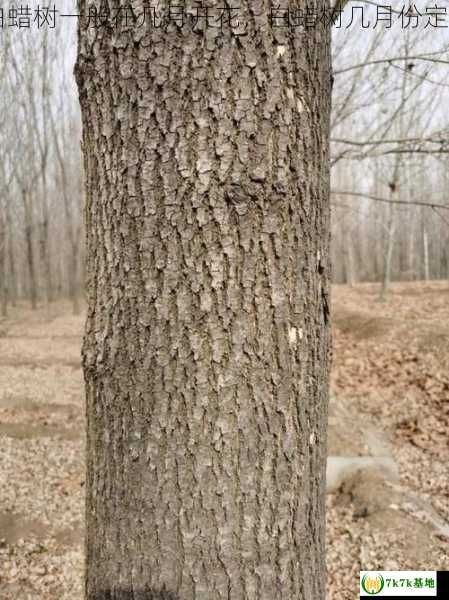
(31, 269)
(29, 250)
(12, 279)
(45, 258)
(207, 336)
(3, 279)
(348, 257)
(73, 278)
(426, 255)
(425, 248)
(388, 251)
(411, 246)
(72, 232)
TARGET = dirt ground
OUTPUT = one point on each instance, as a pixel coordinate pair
(390, 386)
(41, 455)
(388, 443)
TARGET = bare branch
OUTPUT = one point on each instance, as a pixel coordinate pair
(431, 205)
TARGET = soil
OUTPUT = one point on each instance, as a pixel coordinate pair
(390, 399)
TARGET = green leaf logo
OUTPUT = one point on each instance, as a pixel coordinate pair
(373, 583)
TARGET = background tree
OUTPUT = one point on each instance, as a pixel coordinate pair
(388, 129)
(207, 336)
(40, 166)
(373, 125)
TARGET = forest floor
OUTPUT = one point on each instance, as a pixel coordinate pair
(388, 426)
(390, 388)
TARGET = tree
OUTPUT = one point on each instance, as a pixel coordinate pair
(40, 167)
(207, 337)
(388, 130)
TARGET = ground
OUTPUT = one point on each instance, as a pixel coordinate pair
(388, 500)
(390, 388)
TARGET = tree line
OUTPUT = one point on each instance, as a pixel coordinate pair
(389, 144)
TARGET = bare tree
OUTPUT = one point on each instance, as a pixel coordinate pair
(40, 191)
(388, 128)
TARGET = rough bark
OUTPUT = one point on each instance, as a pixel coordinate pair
(207, 338)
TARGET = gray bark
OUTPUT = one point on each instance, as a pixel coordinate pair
(206, 354)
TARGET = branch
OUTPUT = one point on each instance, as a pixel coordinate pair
(424, 57)
(430, 140)
(431, 205)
